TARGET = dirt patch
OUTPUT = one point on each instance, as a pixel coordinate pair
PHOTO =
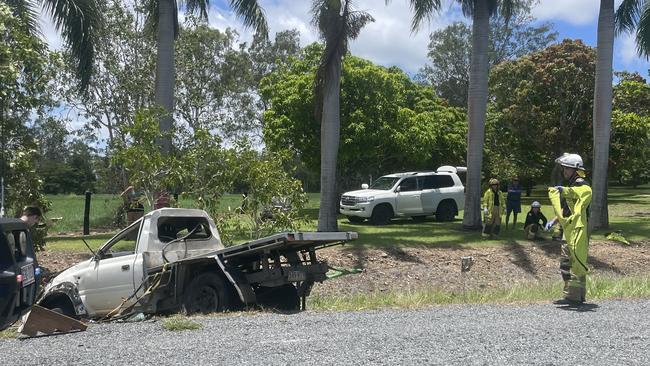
(389, 269)
(496, 267)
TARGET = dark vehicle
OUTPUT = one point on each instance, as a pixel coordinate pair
(19, 271)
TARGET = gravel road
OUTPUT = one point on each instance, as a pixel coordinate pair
(610, 333)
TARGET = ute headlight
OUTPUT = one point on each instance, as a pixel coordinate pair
(365, 199)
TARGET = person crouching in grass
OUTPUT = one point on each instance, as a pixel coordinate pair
(535, 221)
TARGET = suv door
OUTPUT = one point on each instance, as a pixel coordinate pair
(108, 280)
(408, 199)
(430, 193)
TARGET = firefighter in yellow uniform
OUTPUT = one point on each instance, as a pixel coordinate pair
(571, 204)
(493, 203)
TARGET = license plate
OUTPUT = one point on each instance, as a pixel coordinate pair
(296, 276)
(28, 274)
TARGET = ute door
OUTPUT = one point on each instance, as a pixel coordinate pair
(407, 199)
(109, 278)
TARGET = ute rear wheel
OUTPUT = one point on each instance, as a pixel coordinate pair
(381, 215)
(205, 294)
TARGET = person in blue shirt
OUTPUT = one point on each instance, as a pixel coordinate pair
(513, 201)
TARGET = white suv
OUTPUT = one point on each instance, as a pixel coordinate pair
(414, 194)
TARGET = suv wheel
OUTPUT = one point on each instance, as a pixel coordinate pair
(446, 211)
(381, 215)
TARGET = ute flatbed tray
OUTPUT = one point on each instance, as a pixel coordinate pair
(294, 241)
(287, 241)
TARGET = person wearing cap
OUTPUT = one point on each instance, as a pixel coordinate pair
(513, 201)
(572, 216)
(535, 220)
(492, 202)
(31, 215)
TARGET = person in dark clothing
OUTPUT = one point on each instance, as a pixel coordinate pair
(535, 221)
(513, 201)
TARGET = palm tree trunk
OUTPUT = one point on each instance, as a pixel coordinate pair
(602, 114)
(329, 142)
(476, 110)
(165, 69)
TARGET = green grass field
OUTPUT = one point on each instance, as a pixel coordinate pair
(629, 212)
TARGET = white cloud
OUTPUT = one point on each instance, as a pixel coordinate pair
(576, 12)
(626, 57)
(388, 41)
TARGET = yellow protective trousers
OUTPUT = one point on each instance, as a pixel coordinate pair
(577, 238)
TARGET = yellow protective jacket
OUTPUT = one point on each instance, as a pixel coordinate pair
(488, 202)
(578, 197)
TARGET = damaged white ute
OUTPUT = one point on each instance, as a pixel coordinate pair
(173, 259)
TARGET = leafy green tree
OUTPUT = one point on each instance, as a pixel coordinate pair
(77, 20)
(632, 94)
(541, 107)
(337, 23)
(149, 169)
(450, 48)
(379, 107)
(477, 96)
(163, 17)
(124, 60)
(630, 148)
(24, 94)
(631, 16)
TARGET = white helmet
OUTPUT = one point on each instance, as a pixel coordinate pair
(536, 204)
(570, 161)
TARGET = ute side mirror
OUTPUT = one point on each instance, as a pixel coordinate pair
(364, 186)
(398, 189)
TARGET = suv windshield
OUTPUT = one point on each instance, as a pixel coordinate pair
(384, 183)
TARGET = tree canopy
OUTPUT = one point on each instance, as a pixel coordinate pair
(379, 107)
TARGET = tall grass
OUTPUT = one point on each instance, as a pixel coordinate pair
(599, 288)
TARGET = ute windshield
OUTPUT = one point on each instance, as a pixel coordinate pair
(384, 183)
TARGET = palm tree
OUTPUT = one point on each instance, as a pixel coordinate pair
(602, 118)
(337, 23)
(480, 11)
(76, 20)
(631, 15)
(163, 17)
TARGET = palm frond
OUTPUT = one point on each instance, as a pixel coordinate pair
(198, 7)
(336, 25)
(356, 21)
(627, 16)
(423, 10)
(643, 32)
(77, 20)
(467, 6)
(26, 11)
(252, 15)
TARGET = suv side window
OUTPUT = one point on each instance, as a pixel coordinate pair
(437, 181)
(408, 185)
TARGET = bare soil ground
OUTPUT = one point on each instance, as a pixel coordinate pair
(408, 268)
(401, 269)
